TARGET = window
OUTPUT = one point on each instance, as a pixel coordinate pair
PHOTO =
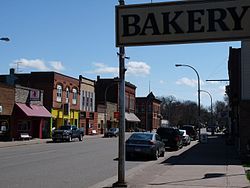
(67, 95)
(59, 93)
(91, 102)
(83, 100)
(74, 100)
(23, 125)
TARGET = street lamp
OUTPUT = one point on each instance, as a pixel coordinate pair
(6, 39)
(199, 92)
(211, 104)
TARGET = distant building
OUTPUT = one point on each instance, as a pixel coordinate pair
(148, 111)
(88, 116)
(107, 101)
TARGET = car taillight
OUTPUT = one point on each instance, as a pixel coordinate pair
(177, 138)
(151, 142)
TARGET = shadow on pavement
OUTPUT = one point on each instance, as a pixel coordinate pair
(214, 152)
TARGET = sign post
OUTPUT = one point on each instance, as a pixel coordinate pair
(121, 153)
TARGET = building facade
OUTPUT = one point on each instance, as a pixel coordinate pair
(239, 129)
(107, 103)
(88, 116)
(22, 111)
(61, 94)
(148, 110)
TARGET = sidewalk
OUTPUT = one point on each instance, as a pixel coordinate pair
(212, 164)
(4, 144)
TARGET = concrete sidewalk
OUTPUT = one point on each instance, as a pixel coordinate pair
(4, 144)
(212, 164)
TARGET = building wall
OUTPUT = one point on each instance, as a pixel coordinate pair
(7, 99)
(245, 70)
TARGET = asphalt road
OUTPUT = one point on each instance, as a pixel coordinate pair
(52, 165)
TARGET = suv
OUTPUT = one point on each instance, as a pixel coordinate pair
(190, 131)
(66, 133)
(171, 137)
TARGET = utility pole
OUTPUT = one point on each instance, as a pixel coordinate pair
(121, 154)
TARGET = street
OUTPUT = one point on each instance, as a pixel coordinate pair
(75, 164)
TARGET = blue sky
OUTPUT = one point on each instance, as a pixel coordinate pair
(78, 37)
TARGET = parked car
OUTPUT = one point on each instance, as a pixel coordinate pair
(190, 131)
(66, 133)
(186, 140)
(112, 132)
(171, 137)
(145, 143)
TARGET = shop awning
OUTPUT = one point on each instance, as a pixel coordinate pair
(34, 110)
(131, 117)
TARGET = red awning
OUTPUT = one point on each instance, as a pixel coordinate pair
(34, 110)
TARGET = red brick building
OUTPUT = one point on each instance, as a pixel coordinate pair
(107, 103)
(22, 111)
(61, 94)
(148, 111)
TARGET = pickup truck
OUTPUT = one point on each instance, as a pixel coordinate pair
(66, 133)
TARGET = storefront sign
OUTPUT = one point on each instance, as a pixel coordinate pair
(182, 22)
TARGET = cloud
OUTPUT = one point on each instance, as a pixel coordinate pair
(38, 64)
(57, 65)
(133, 68)
(138, 68)
(101, 68)
(189, 82)
(161, 81)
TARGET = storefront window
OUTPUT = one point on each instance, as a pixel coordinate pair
(23, 125)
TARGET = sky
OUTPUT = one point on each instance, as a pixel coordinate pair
(77, 37)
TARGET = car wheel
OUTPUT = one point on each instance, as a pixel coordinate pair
(162, 153)
(80, 138)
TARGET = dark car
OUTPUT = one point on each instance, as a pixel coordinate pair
(190, 131)
(66, 133)
(112, 132)
(171, 137)
(145, 143)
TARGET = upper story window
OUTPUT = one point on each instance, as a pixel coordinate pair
(59, 93)
(67, 95)
(74, 99)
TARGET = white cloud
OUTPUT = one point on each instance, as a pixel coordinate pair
(57, 65)
(189, 82)
(162, 81)
(101, 68)
(38, 64)
(138, 68)
(133, 68)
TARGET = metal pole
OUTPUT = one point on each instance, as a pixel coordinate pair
(211, 99)
(199, 94)
(121, 158)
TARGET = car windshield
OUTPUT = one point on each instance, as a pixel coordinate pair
(65, 127)
(141, 136)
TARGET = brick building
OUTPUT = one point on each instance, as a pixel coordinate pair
(107, 103)
(239, 101)
(61, 94)
(148, 110)
(22, 111)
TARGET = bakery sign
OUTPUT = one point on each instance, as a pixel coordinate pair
(182, 22)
